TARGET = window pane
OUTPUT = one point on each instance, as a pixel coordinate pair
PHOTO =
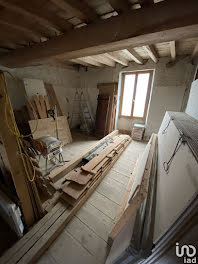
(128, 94)
(141, 92)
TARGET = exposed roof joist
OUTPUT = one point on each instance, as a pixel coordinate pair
(117, 58)
(150, 49)
(39, 16)
(162, 22)
(173, 50)
(195, 51)
(135, 56)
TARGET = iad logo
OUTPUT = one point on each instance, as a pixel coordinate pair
(188, 252)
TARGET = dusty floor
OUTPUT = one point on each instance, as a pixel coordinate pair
(84, 239)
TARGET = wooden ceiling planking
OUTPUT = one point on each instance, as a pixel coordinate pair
(14, 37)
(104, 60)
(14, 18)
(89, 60)
(117, 57)
(77, 8)
(100, 6)
(161, 25)
(120, 6)
(38, 11)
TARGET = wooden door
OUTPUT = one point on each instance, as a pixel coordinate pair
(102, 115)
(110, 89)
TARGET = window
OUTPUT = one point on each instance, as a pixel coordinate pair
(135, 94)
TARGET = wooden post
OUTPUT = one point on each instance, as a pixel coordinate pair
(16, 165)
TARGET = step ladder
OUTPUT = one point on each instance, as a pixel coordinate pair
(82, 112)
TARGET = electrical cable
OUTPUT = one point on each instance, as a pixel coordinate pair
(15, 131)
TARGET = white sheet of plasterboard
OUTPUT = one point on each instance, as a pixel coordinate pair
(192, 108)
(34, 87)
(178, 187)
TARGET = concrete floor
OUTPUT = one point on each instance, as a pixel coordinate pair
(84, 239)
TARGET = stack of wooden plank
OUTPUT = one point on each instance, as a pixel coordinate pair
(40, 237)
(76, 183)
(132, 231)
(138, 131)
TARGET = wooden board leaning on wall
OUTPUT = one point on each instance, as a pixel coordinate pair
(47, 126)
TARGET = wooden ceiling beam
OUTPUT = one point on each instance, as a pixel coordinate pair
(77, 8)
(150, 49)
(117, 58)
(135, 56)
(163, 22)
(173, 50)
(120, 5)
(39, 15)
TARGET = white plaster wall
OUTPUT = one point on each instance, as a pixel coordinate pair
(192, 105)
(169, 91)
(176, 188)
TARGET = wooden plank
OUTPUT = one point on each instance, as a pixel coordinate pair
(42, 104)
(38, 106)
(135, 56)
(53, 99)
(94, 162)
(150, 49)
(173, 50)
(47, 104)
(30, 111)
(47, 237)
(75, 191)
(16, 165)
(126, 194)
(60, 172)
(47, 126)
(144, 26)
(114, 55)
(137, 196)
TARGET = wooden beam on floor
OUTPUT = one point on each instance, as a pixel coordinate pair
(77, 8)
(60, 172)
(135, 56)
(150, 49)
(173, 50)
(120, 6)
(144, 26)
(117, 58)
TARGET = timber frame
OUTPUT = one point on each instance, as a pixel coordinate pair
(83, 35)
